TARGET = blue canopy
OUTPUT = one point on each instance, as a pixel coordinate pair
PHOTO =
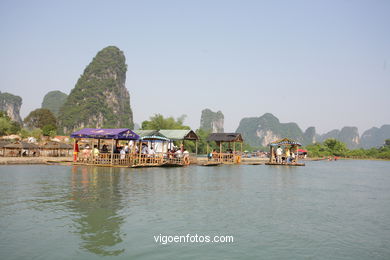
(110, 133)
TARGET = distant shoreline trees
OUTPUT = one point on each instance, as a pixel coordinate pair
(333, 147)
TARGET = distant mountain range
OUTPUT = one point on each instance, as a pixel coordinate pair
(374, 137)
(260, 131)
(100, 99)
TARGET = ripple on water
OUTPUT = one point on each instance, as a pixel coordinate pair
(325, 210)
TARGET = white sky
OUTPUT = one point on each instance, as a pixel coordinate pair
(317, 63)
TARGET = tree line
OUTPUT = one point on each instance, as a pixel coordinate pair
(333, 147)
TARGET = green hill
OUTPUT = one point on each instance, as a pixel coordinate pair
(100, 98)
(11, 104)
(53, 101)
(212, 121)
(375, 137)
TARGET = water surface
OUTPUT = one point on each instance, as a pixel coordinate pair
(326, 210)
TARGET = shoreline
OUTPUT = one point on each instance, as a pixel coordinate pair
(345, 158)
(69, 160)
(200, 160)
(32, 160)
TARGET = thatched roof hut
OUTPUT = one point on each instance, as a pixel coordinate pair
(56, 145)
(2, 144)
(21, 145)
(53, 148)
(20, 148)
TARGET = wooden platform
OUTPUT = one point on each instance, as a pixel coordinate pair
(285, 164)
(144, 165)
(172, 165)
(210, 164)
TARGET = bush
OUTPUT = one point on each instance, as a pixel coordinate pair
(49, 130)
(37, 133)
(5, 126)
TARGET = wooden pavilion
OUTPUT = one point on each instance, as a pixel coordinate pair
(150, 139)
(98, 137)
(290, 155)
(182, 136)
(230, 155)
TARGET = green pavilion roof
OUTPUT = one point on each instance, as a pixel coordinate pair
(179, 134)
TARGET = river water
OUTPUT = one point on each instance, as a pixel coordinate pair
(326, 210)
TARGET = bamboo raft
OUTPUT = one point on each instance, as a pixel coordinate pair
(211, 164)
(171, 165)
(291, 146)
(285, 164)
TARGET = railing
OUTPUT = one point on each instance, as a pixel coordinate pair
(173, 160)
(148, 159)
(227, 158)
(134, 159)
(106, 159)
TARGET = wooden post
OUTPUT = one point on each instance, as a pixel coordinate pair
(271, 153)
(93, 142)
(234, 152)
(74, 151)
(112, 150)
(220, 151)
(140, 146)
(77, 148)
(196, 147)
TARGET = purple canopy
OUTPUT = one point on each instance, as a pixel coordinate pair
(110, 133)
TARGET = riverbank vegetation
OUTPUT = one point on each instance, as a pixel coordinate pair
(7, 126)
(38, 124)
(333, 147)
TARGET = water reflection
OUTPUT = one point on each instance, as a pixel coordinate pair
(96, 200)
(284, 177)
(106, 201)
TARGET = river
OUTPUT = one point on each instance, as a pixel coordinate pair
(325, 210)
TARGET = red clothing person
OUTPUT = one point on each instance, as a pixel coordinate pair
(75, 151)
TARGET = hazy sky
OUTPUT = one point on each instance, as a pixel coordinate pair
(316, 63)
